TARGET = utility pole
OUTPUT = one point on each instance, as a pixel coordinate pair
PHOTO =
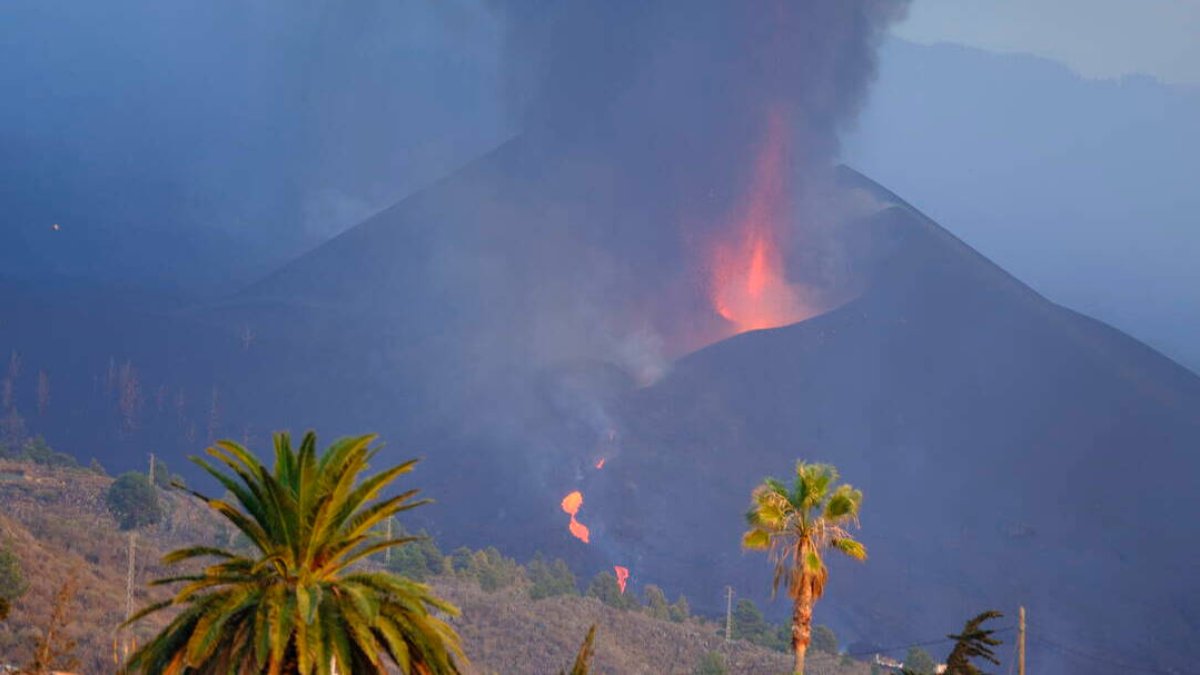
(130, 574)
(152, 469)
(129, 586)
(728, 613)
(1021, 641)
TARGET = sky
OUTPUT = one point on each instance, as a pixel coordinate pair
(1060, 138)
(1082, 188)
(1096, 38)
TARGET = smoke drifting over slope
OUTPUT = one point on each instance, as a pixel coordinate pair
(249, 131)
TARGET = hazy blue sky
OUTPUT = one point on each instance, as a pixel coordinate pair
(1097, 38)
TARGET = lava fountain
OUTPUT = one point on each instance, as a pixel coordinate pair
(748, 283)
(571, 504)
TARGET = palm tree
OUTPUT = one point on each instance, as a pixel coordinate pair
(583, 660)
(974, 642)
(796, 526)
(296, 603)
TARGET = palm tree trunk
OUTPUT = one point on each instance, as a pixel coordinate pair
(802, 612)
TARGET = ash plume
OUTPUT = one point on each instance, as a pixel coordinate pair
(671, 103)
(577, 60)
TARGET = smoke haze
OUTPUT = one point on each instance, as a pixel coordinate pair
(249, 131)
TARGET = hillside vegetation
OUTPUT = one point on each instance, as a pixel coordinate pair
(54, 519)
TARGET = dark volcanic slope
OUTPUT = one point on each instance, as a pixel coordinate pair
(1012, 451)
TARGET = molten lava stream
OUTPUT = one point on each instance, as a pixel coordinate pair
(622, 576)
(571, 504)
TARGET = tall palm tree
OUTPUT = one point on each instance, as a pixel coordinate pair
(296, 603)
(796, 526)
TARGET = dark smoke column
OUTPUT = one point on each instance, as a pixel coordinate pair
(718, 122)
(575, 62)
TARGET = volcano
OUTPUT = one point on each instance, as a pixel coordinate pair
(536, 313)
(1011, 450)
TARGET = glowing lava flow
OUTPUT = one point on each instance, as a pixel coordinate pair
(749, 287)
(622, 576)
(571, 504)
(600, 463)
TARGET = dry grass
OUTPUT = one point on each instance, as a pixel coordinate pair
(56, 522)
(506, 632)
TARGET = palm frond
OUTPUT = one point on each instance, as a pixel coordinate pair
(583, 660)
(843, 504)
(850, 547)
(295, 605)
(756, 540)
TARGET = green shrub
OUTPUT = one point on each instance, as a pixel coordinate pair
(36, 450)
(488, 567)
(824, 640)
(494, 571)
(12, 577)
(550, 579)
(919, 661)
(133, 502)
(750, 625)
(681, 611)
(604, 587)
(418, 560)
(712, 663)
(459, 560)
(656, 602)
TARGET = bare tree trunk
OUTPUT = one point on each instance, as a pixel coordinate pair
(802, 612)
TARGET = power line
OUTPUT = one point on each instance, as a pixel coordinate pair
(1062, 648)
(927, 643)
(1012, 659)
(1078, 653)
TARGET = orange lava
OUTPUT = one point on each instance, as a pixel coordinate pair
(622, 576)
(600, 463)
(749, 286)
(578, 530)
(571, 504)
